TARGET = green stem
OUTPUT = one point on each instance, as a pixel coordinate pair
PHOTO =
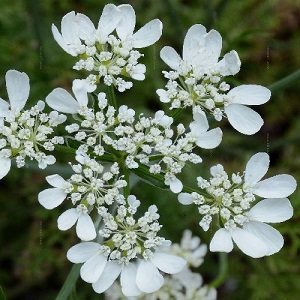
(112, 97)
(70, 283)
(158, 180)
(223, 267)
(284, 82)
(126, 189)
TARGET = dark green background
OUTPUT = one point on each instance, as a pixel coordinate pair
(266, 36)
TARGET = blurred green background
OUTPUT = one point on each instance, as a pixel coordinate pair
(266, 34)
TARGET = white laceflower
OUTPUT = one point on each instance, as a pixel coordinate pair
(25, 133)
(106, 56)
(197, 81)
(190, 249)
(128, 250)
(207, 139)
(68, 39)
(145, 140)
(61, 100)
(89, 187)
(231, 200)
(182, 285)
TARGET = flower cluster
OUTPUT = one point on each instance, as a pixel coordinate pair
(145, 140)
(109, 142)
(91, 186)
(230, 201)
(183, 285)
(106, 56)
(129, 250)
(197, 81)
(25, 133)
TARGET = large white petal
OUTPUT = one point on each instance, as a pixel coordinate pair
(107, 278)
(249, 94)
(67, 219)
(61, 42)
(93, 268)
(266, 233)
(4, 108)
(193, 41)
(170, 57)
(148, 34)
(56, 181)
(85, 228)
(176, 185)
(243, 118)
(69, 29)
(213, 44)
(249, 243)
(185, 198)
(148, 278)
(17, 85)
(221, 241)
(82, 252)
(257, 167)
(200, 123)
(51, 198)
(80, 92)
(210, 139)
(230, 64)
(168, 263)
(60, 100)
(126, 25)
(109, 19)
(5, 165)
(272, 210)
(86, 27)
(128, 281)
(278, 186)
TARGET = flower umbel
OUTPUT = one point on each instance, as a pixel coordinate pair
(230, 201)
(108, 57)
(129, 250)
(197, 80)
(25, 133)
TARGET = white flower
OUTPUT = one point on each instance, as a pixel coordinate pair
(53, 197)
(145, 36)
(5, 165)
(135, 278)
(68, 39)
(17, 86)
(231, 201)
(256, 238)
(241, 117)
(201, 51)
(207, 139)
(202, 74)
(162, 119)
(85, 228)
(174, 183)
(108, 21)
(24, 132)
(60, 100)
(278, 186)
